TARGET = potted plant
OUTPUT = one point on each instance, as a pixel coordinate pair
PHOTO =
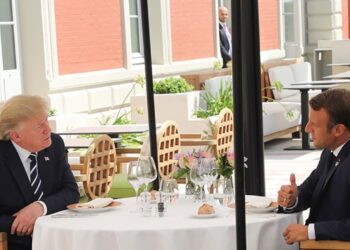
(173, 100)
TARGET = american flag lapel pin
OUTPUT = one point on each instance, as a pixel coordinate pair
(337, 162)
(46, 158)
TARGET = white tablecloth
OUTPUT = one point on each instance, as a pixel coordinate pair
(177, 230)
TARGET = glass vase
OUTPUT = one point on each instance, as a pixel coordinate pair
(190, 188)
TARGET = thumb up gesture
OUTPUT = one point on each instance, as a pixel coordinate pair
(288, 193)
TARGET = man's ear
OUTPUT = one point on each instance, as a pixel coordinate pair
(339, 130)
(14, 136)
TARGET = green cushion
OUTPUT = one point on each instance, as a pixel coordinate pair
(121, 188)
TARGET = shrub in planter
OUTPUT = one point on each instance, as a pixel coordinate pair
(171, 85)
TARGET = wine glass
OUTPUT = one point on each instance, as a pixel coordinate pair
(197, 176)
(148, 171)
(209, 170)
(134, 174)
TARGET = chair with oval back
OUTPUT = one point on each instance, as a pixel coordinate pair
(3, 241)
(222, 140)
(223, 132)
(100, 166)
(168, 145)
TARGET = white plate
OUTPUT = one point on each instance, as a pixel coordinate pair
(111, 206)
(204, 216)
(260, 210)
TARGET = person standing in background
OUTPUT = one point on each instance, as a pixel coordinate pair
(225, 37)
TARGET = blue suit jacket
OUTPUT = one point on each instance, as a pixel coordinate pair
(328, 198)
(224, 46)
(59, 186)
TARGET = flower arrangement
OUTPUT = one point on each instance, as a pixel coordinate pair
(186, 160)
(225, 164)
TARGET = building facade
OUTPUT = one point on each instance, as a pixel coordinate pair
(84, 55)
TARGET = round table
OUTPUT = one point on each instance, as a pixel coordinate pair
(120, 228)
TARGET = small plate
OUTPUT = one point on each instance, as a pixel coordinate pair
(204, 216)
(74, 207)
(260, 210)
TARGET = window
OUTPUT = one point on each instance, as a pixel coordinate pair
(292, 27)
(7, 36)
(288, 20)
(136, 31)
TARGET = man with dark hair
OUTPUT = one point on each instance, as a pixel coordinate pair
(327, 190)
(35, 178)
(225, 37)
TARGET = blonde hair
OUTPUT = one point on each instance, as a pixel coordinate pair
(17, 109)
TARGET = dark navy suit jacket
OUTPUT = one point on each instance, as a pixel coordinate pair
(224, 46)
(59, 186)
(328, 197)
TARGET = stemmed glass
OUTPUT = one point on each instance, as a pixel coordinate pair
(134, 174)
(197, 176)
(148, 171)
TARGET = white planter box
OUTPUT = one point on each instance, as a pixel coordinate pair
(177, 107)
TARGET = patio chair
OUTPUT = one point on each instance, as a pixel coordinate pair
(324, 244)
(222, 140)
(168, 144)
(99, 167)
(3, 241)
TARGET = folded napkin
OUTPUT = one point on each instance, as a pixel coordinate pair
(258, 201)
(96, 203)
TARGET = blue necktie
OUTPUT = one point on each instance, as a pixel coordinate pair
(35, 180)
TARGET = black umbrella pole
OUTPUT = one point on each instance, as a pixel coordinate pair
(238, 124)
(149, 86)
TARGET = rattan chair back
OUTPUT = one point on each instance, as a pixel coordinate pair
(100, 164)
(223, 132)
(168, 142)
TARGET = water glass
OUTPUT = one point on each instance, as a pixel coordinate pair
(169, 191)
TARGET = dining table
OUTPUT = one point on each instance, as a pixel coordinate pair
(180, 227)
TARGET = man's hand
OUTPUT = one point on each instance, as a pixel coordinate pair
(288, 194)
(25, 219)
(294, 233)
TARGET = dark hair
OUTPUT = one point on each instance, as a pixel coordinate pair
(336, 103)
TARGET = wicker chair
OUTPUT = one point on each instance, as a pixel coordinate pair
(168, 145)
(222, 140)
(324, 245)
(99, 167)
(3, 241)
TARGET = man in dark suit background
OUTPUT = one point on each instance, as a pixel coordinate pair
(35, 178)
(225, 37)
(327, 190)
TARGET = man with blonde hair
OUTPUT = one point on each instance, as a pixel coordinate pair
(35, 178)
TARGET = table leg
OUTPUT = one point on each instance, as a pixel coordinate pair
(305, 139)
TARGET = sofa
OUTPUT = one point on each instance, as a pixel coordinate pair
(276, 123)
